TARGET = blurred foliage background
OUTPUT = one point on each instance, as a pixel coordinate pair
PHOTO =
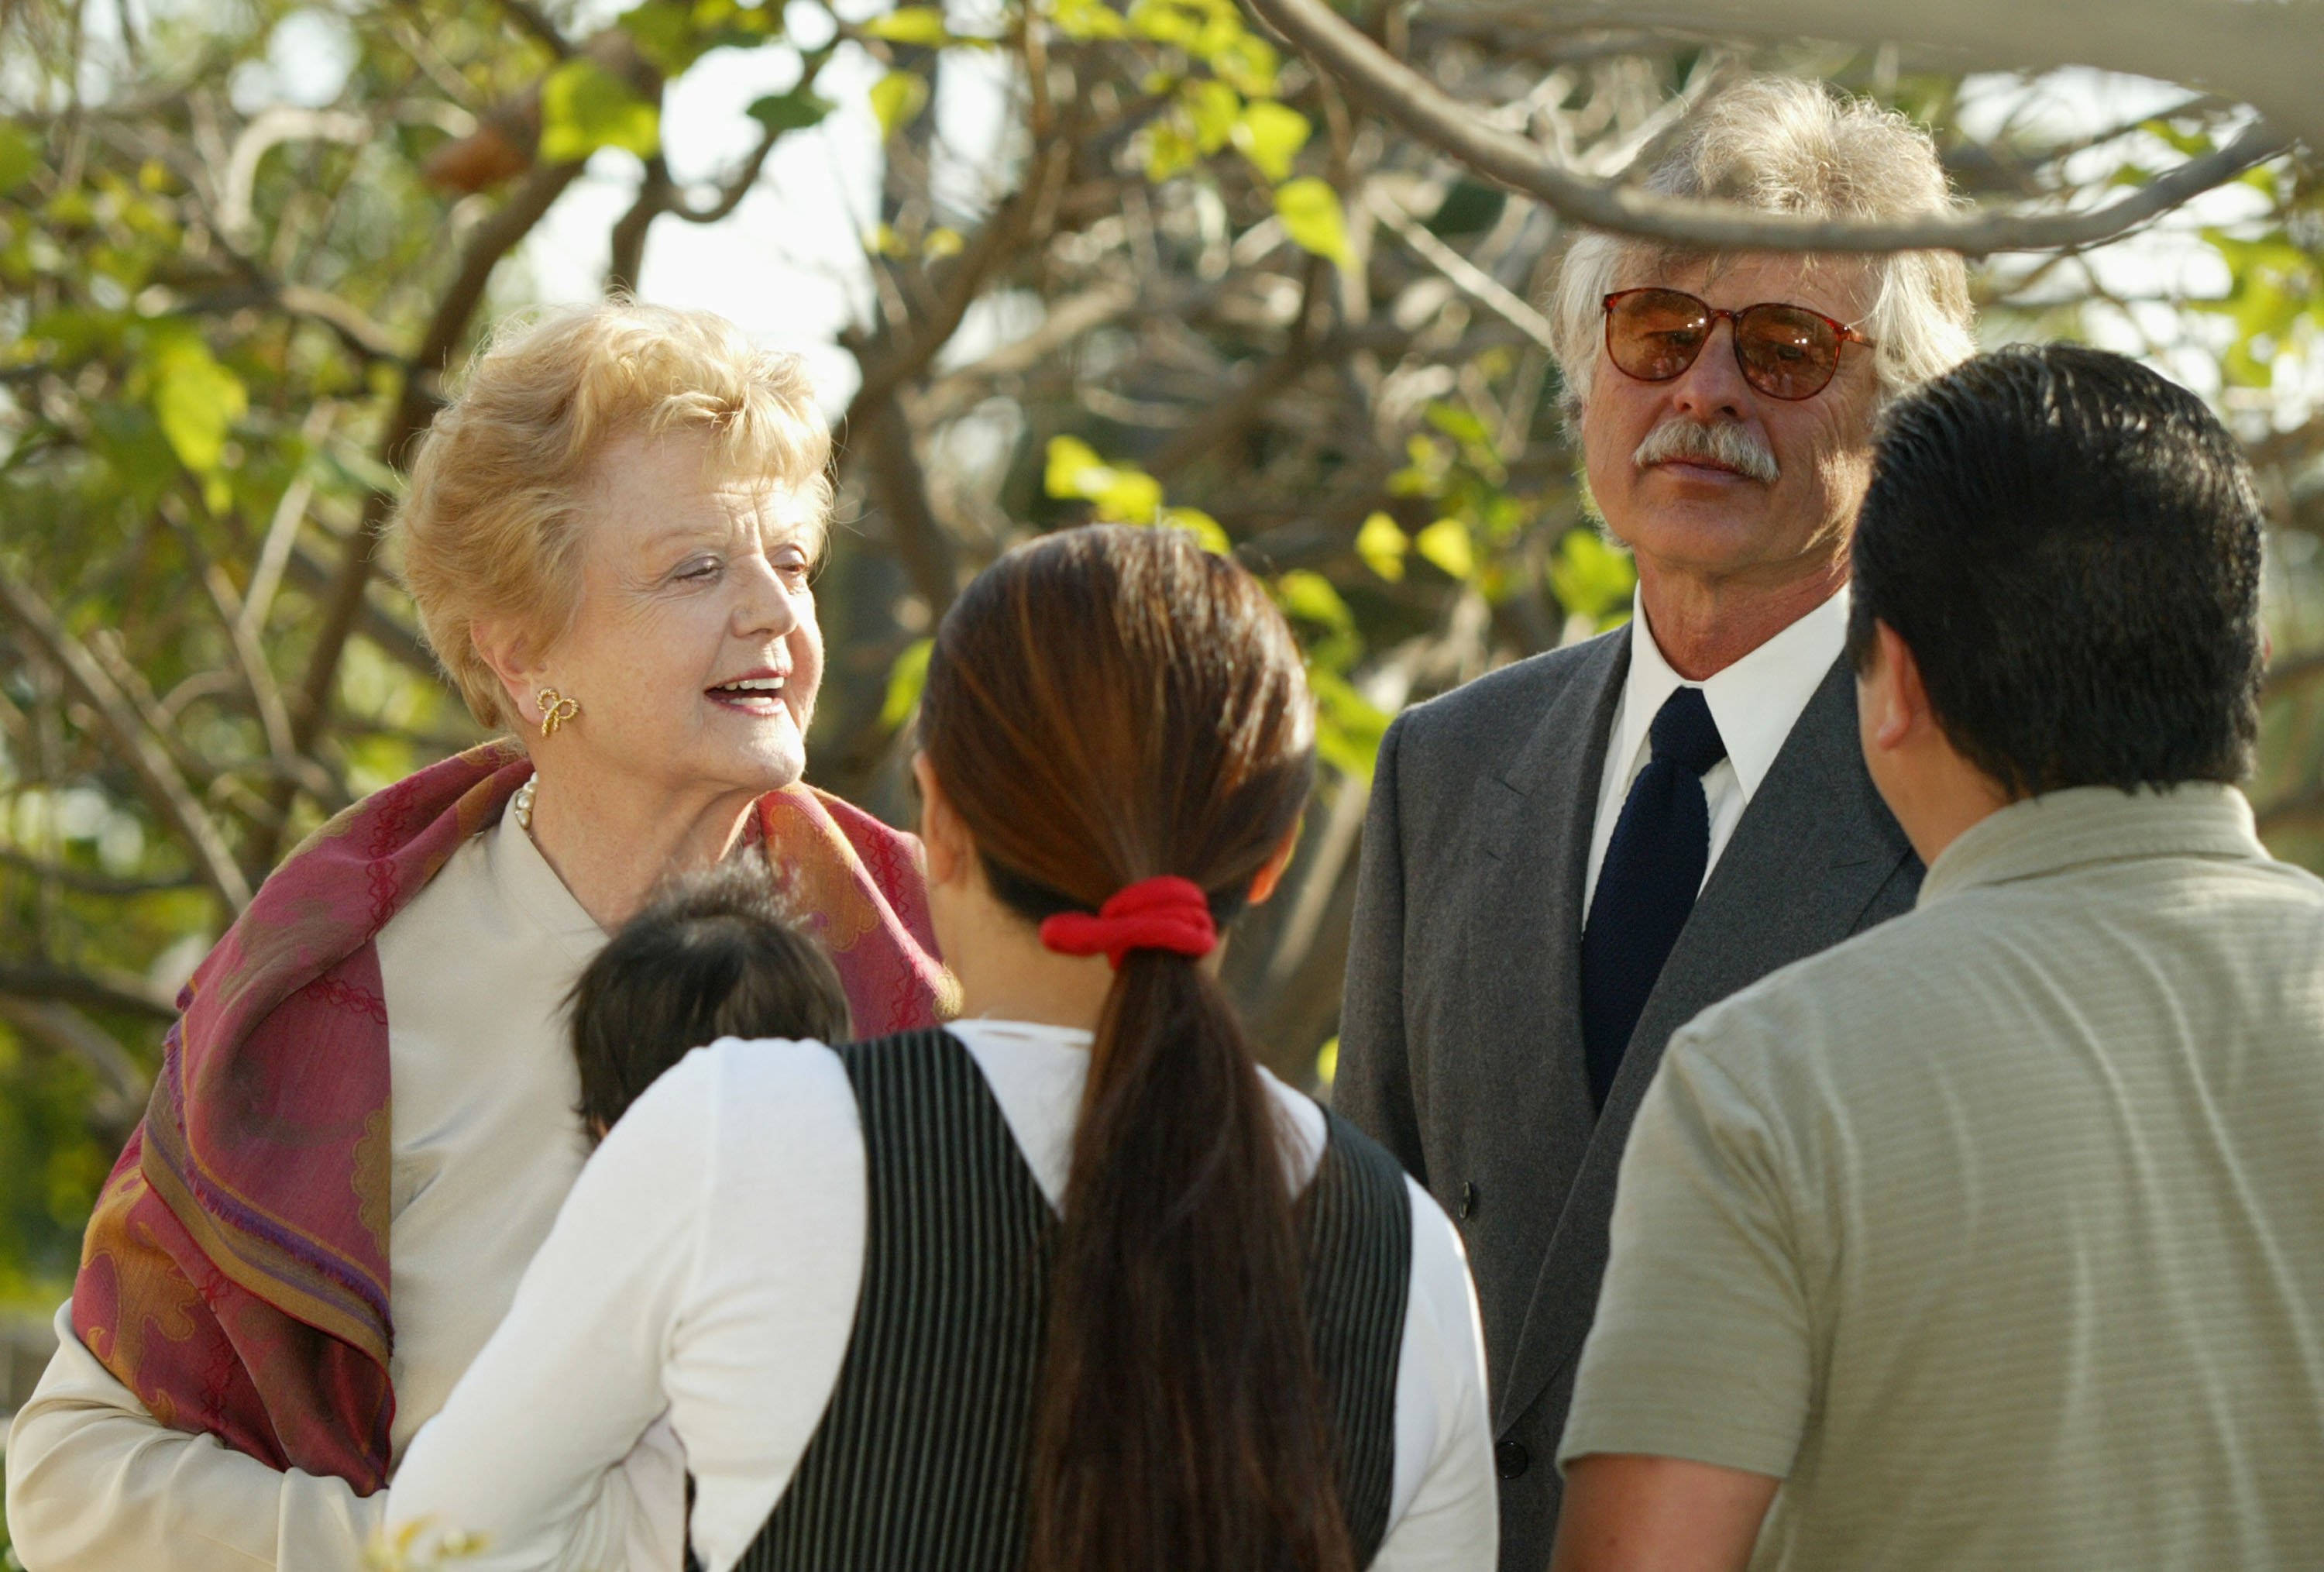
(1124, 259)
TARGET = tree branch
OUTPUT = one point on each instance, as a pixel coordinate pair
(1396, 92)
(342, 601)
(96, 989)
(122, 1085)
(2263, 55)
(165, 788)
(900, 487)
(1465, 275)
(534, 23)
(89, 883)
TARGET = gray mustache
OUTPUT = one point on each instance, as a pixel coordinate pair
(1731, 445)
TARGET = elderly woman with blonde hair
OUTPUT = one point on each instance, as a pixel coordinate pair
(365, 1122)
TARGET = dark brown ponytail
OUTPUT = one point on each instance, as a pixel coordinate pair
(1103, 705)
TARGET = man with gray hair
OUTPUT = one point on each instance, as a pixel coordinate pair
(1568, 859)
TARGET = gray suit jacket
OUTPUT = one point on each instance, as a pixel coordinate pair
(1460, 1037)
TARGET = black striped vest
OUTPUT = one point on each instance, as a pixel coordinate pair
(921, 1458)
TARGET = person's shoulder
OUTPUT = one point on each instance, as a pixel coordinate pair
(1488, 715)
(1862, 985)
(746, 1083)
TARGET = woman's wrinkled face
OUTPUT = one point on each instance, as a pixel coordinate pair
(694, 653)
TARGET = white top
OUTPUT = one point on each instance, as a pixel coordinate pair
(708, 1264)
(1756, 702)
(484, 1144)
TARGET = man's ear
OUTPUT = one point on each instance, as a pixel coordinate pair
(942, 833)
(1264, 881)
(511, 655)
(1896, 706)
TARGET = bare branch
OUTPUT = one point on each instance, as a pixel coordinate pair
(2260, 55)
(1400, 94)
(342, 601)
(901, 486)
(533, 22)
(268, 129)
(89, 883)
(1472, 280)
(165, 788)
(96, 989)
(122, 1085)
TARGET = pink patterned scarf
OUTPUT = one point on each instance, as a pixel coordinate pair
(235, 1272)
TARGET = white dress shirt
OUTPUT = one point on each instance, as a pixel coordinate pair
(708, 1264)
(484, 1143)
(1755, 703)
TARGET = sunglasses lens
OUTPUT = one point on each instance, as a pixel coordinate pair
(1653, 335)
(1786, 353)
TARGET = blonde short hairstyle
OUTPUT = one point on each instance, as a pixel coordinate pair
(1783, 146)
(489, 528)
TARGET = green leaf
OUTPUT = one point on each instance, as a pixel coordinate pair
(665, 34)
(1310, 211)
(1309, 597)
(584, 106)
(1164, 22)
(1463, 426)
(1088, 19)
(906, 679)
(1170, 150)
(1211, 106)
(1446, 543)
(2194, 143)
(196, 401)
(1129, 497)
(1271, 134)
(1067, 460)
(898, 99)
(20, 156)
(1591, 577)
(796, 110)
(920, 24)
(1123, 495)
(1382, 544)
(1249, 64)
(1348, 726)
(1206, 529)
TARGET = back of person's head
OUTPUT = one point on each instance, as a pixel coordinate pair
(715, 954)
(1104, 707)
(2069, 546)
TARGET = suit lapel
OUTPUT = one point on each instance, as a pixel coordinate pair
(1808, 856)
(1532, 823)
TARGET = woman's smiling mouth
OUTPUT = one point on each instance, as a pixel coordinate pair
(759, 694)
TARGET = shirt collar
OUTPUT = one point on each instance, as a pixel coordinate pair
(529, 884)
(1755, 701)
(2095, 824)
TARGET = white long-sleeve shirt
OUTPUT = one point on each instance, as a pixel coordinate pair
(484, 1144)
(708, 1264)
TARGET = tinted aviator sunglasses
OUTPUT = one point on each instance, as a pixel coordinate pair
(1786, 352)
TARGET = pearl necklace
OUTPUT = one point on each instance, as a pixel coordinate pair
(520, 805)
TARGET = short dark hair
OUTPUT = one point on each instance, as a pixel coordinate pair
(715, 954)
(2069, 545)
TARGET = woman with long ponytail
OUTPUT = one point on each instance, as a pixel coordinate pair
(1070, 1286)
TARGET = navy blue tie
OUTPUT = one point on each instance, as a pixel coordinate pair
(1648, 884)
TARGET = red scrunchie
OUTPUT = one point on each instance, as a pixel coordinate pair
(1166, 913)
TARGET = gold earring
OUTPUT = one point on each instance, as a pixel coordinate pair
(556, 709)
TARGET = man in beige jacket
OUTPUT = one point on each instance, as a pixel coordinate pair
(1995, 1238)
